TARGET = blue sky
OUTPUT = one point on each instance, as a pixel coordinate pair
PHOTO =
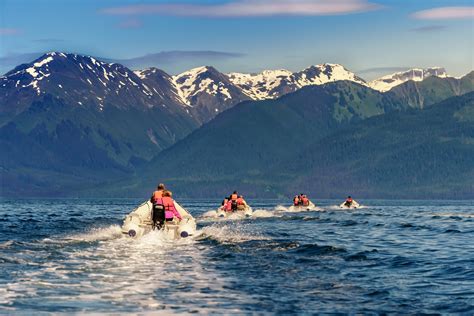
(370, 37)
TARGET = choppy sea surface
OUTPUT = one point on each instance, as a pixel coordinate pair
(69, 256)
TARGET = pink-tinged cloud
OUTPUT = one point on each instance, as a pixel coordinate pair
(9, 31)
(249, 8)
(445, 13)
(130, 24)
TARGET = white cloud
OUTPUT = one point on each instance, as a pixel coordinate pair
(445, 13)
(249, 8)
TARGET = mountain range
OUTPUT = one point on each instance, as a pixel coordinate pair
(315, 141)
(74, 125)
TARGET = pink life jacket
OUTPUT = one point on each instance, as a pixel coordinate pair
(170, 209)
(296, 201)
(228, 206)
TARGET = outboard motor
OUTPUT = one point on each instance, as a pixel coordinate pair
(158, 215)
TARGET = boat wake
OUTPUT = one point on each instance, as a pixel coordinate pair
(229, 234)
(94, 234)
(213, 215)
(297, 209)
(339, 208)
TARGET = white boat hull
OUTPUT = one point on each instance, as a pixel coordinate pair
(139, 223)
(244, 213)
(302, 208)
(354, 205)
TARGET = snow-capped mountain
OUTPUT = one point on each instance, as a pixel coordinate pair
(161, 83)
(271, 84)
(321, 74)
(207, 91)
(89, 112)
(201, 92)
(264, 85)
(79, 80)
(386, 83)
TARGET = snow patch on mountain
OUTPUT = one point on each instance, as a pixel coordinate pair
(145, 73)
(198, 80)
(259, 86)
(386, 83)
(271, 84)
(321, 74)
(33, 70)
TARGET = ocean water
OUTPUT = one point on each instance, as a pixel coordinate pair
(403, 257)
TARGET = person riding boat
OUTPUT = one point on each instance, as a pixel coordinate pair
(348, 201)
(296, 200)
(224, 202)
(228, 206)
(241, 204)
(233, 201)
(170, 210)
(304, 200)
(164, 214)
(158, 193)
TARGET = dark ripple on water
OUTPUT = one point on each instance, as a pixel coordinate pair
(400, 257)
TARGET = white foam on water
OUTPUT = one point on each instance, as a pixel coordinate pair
(339, 208)
(281, 208)
(6, 244)
(97, 234)
(111, 269)
(210, 214)
(296, 209)
(263, 214)
(231, 233)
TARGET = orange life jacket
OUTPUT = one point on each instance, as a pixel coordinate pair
(240, 201)
(233, 197)
(305, 201)
(349, 200)
(157, 195)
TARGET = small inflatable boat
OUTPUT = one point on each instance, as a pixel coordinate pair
(303, 208)
(141, 221)
(241, 212)
(353, 205)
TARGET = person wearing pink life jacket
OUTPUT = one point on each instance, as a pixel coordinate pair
(296, 200)
(170, 210)
(228, 206)
(232, 202)
(348, 201)
(224, 203)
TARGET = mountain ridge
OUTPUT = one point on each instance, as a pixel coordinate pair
(202, 92)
